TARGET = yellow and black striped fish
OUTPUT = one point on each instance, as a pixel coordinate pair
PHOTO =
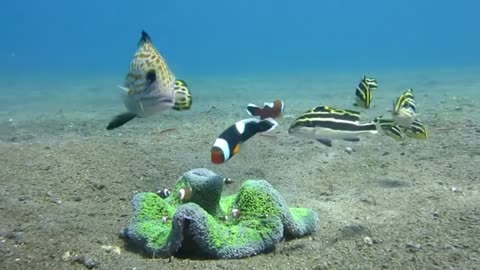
(150, 86)
(389, 128)
(364, 92)
(326, 110)
(417, 130)
(404, 109)
(325, 124)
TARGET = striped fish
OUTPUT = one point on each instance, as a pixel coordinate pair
(325, 124)
(404, 109)
(150, 87)
(364, 91)
(417, 130)
(390, 128)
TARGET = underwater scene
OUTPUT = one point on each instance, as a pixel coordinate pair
(332, 134)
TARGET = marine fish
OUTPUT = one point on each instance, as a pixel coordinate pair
(229, 141)
(325, 124)
(364, 91)
(183, 98)
(404, 109)
(164, 193)
(270, 109)
(390, 128)
(417, 130)
(150, 87)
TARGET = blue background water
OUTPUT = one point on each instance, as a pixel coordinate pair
(99, 37)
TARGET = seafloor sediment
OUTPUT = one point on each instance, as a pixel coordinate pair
(66, 182)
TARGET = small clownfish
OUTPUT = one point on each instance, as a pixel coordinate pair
(270, 110)
(164, 193)
(228, 143)
(185, 194)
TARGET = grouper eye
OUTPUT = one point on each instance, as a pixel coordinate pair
(151, 76)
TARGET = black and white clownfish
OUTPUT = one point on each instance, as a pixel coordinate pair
(228, 143)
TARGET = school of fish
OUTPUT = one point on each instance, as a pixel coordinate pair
(150, 88)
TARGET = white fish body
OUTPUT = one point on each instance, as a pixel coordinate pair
(319, 133)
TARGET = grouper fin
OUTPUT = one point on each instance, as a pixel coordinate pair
(120, 120)
(326, 142)
(144, 39)
(123, 88)
(183, 97)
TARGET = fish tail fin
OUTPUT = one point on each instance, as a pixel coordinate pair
(383, 123)
(266, 125)
(389, 128)
(417, 130)
(183, 97)
(253, 109)
(269, 104)
(274, 109)
(120, 120)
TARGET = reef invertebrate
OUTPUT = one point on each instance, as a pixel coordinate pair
(244, 224)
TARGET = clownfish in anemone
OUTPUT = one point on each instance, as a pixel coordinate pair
(228, 142)
(269, 110)
(185, 194)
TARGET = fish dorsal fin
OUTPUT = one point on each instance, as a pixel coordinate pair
(329, 112)
(350, 114)
(320, 109)
(144, 39)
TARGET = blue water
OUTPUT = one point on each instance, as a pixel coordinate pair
(57, 37)
(66, 182)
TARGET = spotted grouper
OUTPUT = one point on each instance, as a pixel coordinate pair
(150, 87)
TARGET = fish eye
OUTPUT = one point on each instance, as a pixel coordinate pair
(151, 76)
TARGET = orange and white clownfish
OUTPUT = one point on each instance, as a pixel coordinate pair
(228, 143)
(270, 110)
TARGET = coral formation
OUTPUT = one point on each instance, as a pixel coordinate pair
(195, 217)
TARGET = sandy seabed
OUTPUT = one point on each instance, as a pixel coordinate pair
(66, 182)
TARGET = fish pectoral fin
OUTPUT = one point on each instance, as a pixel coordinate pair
(326, 142)
(123, 88)
(141, 106)
(352, 139)
(120, 120)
